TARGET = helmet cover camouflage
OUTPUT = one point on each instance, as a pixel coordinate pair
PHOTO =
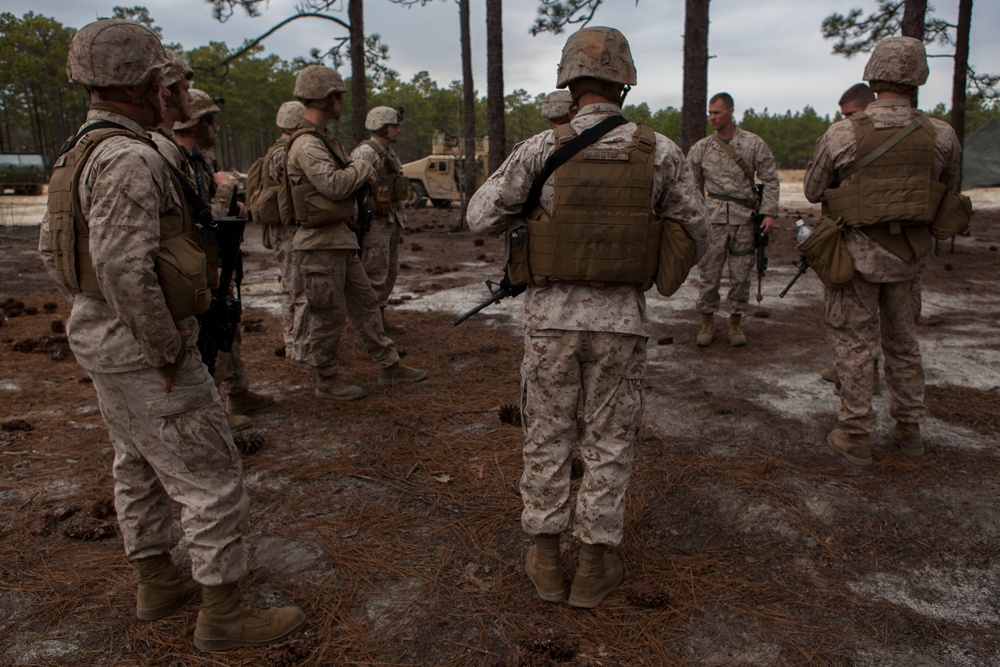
(289, 115)
(176, 69)
(114, 52)
(597, 53)
(557, 105)
(901, 60)
(379, 117)
(201, 105)
(316, 82)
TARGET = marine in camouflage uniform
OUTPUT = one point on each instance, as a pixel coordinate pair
(879, 306)
(278, 237)
(730, 200)
(583, 341)
(558, 108)
(164, 416)
(323, 183)
(380, 252)
(195, 136)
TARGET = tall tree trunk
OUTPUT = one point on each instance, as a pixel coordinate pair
(695, 99)
(469, 109)
(914, 14)
(960, 78)
(359, 85)
(495, 121)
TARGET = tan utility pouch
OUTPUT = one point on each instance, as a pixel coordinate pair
(180, 267)
(677, 257)
(517, 256)
(827, 253)
(323, 212)
(953, 214)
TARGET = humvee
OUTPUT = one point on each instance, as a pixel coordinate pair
(22, 172)
(437, 178)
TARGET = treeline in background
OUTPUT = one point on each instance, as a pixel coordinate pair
(39, 109)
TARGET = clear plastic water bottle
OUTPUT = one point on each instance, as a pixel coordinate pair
(803, 233)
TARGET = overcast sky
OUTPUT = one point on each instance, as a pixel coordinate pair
(767, 54)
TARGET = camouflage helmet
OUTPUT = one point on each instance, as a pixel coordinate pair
(316, 82)
(557, 105)
(379, 117)
(597, 53)
(901, 60)
(177, 69)
(114, 52)
(201, 105)
(289, 115)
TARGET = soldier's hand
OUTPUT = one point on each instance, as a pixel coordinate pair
(766, 223)
(168, 372)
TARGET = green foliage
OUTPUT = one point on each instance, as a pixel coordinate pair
(791, 137)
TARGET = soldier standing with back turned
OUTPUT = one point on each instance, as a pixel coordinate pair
(585, 338)
(888, 238)
(725, 165)
(114, 207)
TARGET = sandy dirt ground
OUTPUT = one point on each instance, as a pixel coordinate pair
(394, 520)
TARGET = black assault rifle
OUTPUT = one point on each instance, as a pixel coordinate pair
(803, 265)
(500, 290)
(218, 324)
(363, 223)
(760, 240)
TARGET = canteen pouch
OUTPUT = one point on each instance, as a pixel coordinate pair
(677, 257)
(953, 214)
(180, 268)
(827, 253)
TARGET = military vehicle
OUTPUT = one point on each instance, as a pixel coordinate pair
(24, 173)
(437, 178)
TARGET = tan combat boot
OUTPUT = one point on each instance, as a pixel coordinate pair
(597, 574)
(544, 569)
(247, 402)
(163, 589)
(238, 422)
(707, 331)
(907, 437)
(399, 372)
(224, 622)
(335, 388)
(854, 447)
(736, 336)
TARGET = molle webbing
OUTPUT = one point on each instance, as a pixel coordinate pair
(602, 230)
(894, 190)
(317, 211)
(69, 232)
(891, 197)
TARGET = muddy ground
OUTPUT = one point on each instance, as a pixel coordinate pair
(394, 522)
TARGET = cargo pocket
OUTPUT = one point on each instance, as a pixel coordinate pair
(193, 428)
(319, 291)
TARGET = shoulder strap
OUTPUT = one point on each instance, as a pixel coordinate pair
(563, 154)
(310, 130)
(885, 146)
(728, 150)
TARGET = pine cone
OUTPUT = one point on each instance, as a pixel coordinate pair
(554, 646)
(510, 414)
(248, 442)
(292, 651)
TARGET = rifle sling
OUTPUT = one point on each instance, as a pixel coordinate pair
(728, 150)
(564, 153)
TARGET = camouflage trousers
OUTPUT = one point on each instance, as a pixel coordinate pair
(170, 448)
(336, 287)
(230, 372)
(606, 370)
(380, 257)
(862, 317)
(295, 309)
(732, 244)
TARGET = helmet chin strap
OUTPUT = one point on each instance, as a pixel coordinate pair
(621, 98)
